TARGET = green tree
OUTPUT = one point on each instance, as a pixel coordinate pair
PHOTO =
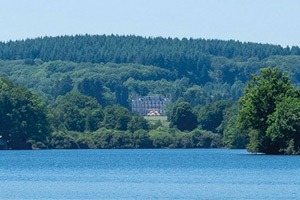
(195, 96)
(92, 87)
(161, 138)
(183, 117)
(121, 140)
(116, 117)
(211, 115)
(94, 118)
(185, 140)
(206, 139)
(262, 95)
(121, 93)
(138, 122)
(102, 138)
(62, 86)
(23, 116)
(112, 139)
(233, 137)
(141, 139)
(77, 112)
(85, 141)
(284, 127)
(63, 140)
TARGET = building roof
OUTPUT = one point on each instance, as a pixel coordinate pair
(152, 98)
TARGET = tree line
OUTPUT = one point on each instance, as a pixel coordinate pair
(77, 121)
(188, 57)
(118, 83)
(266, 119)
(80, 90)
(158, 51)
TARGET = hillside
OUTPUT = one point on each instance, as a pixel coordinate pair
(191, 58)
(118, 83)
(83, 78)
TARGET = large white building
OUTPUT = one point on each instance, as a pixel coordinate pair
(149, 105)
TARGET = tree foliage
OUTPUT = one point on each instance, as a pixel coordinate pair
(23, 116)
(74, 75)
(211, 115)
(77, 112)
(116, 117)
(263, 114)
(137, 122)
(183, 117)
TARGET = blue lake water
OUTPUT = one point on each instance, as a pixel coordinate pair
(147, 174)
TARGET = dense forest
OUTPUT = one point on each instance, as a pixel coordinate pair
(87, 84)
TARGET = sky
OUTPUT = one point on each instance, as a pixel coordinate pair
(263, 21)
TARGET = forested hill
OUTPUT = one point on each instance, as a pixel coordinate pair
(195, 70)
(135, 49)
(83, 78)
(189, 57)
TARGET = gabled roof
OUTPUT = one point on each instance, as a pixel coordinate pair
(153, 98)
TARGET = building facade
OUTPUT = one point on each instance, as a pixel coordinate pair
(149, 105)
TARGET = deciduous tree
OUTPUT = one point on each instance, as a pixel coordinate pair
(263, 110)
(183, 117)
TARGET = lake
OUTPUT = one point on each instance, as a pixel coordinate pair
(147, 174)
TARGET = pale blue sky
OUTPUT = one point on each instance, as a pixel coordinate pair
(265, 21)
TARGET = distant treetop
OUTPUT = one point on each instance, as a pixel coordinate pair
(135, 49)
